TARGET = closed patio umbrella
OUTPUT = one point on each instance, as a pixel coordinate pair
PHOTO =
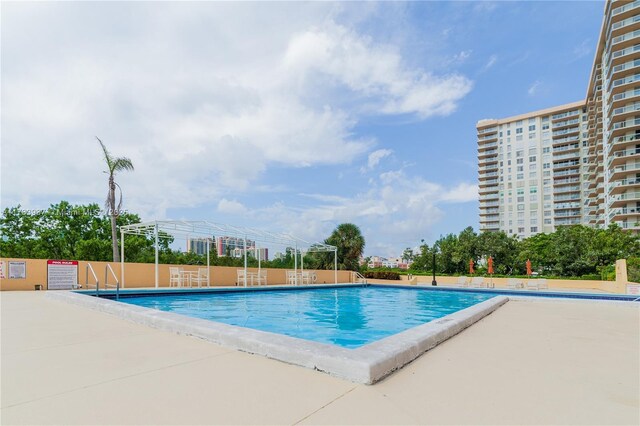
(528, 267)
(490, 267)
(471, 270)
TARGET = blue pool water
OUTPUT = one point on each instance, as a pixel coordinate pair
(348, 316)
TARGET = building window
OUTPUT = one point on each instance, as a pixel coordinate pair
(532, 159)
(534, 229)
(532, 128)
(518, 130)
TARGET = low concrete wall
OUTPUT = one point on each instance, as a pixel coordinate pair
(567, 285)
(143, 274)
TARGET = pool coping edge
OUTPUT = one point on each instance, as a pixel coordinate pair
(366, 364)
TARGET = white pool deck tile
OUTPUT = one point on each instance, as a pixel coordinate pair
(530, 362)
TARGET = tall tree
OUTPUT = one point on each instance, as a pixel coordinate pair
(350, 243)
(114, 164)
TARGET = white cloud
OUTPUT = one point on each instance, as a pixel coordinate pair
(205, 97)
(534, 88)
(375, 157)
(395, 209)
(231, 206)
(491, 62)
(583, 49)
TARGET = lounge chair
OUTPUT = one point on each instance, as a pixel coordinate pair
(477, 282)
(539, 284)
(514, 283)
(462, 281)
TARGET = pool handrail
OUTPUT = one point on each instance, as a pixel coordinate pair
(108, 269)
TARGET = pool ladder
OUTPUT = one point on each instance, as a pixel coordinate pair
(357, 277)
(108, 270)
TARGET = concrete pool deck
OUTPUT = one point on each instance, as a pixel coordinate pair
(530, 362)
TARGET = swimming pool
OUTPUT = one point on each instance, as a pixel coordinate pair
(346, 316)
(352, 345)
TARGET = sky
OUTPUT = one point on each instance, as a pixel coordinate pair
(291, 117)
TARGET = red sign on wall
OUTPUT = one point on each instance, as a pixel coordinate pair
(62, 274)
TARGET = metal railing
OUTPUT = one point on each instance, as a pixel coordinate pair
(93, 273)
(357, 277)
(108, 269)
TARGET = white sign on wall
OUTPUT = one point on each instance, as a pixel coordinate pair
(3, 270)
(62, 274)
(17, 270)
(633, 289)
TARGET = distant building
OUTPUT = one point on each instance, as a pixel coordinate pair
(235, 247)
(199, 245)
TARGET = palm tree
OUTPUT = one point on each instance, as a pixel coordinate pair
(114, 164)
(350, 243)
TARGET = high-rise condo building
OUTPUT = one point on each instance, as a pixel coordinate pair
(577, 163)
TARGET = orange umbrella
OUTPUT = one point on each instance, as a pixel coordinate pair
(490, 269)
(471, 271)
(528, 267)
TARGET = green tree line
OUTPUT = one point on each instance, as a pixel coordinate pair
(570, 251)
(84, 232)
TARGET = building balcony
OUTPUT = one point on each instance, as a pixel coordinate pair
(489, 196)
(620, 99)
(488, 153)
(617, 158)
(566, 206)
(568, 172)
(486, 212)
(488, 204)
(567, 222)
(570, 130)
(560, 141)
(568, 213)
(621, 171)
(623, 213)
(564, 148)
(565, 181)
(487, 130)
(619, 128)
(623, 141)
(490, 182)
(490, 219)
(566, 164)
(623, 113)
(621, 186)
(486, 146)
(492, 166)
(565, 123)
(574, 154)
(621, 200)
(488, 175)
(565, 114)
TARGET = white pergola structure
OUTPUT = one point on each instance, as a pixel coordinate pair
(207, 230)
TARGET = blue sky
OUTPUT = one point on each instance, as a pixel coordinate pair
(286, 116)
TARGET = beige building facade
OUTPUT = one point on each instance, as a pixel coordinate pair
(577, 163)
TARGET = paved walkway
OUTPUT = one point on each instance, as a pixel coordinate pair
(531, 362)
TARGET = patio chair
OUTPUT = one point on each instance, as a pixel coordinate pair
(462, 281)
(242, 277)
(202, 277)
(291, 277)
(175, 276)
(477, 282)
(261, 277)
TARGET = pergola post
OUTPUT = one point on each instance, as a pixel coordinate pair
(245, 260)
(208, 266)
(122, 257)
(295, 265)
(335, 265)
(155, 232)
